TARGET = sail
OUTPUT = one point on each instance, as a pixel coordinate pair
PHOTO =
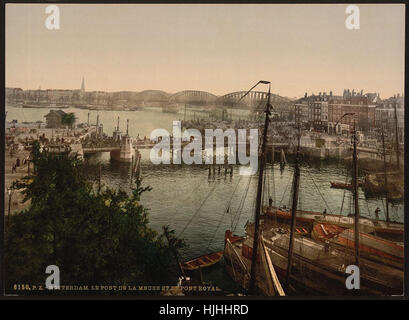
(273, 284)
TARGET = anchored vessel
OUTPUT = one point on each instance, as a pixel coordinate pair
(270, 255)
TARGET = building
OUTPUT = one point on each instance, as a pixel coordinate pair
(385, 115)
(312, 111)
(359, 107)
(54, 119)
(301, 110)
(318, 111)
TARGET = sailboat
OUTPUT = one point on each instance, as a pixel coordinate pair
(388, 230)
(265, 281)
(303, 264)
(371, 246)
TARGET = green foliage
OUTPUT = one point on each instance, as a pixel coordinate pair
(68, 119)
(95, 238)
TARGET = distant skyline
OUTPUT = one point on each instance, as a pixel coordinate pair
(214, 48)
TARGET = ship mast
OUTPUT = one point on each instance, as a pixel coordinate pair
(386, 177)
(259, 189)
(355, 188)
(296, 187)
(397, 137)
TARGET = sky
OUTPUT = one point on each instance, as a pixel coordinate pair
(214, 48)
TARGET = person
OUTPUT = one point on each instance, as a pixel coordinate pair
(270, 201)
(377, 210)
(324, 212)
(13, 169)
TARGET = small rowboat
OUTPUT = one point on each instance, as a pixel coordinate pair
(204, 261)
(323, 232)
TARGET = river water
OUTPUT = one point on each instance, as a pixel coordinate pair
(194, 205)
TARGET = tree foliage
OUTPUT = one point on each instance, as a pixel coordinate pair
(68, 119)
(95, 238)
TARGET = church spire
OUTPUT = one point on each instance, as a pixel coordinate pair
(82, 85)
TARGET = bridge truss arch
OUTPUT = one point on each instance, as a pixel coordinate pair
(255, 100)
(193, 97)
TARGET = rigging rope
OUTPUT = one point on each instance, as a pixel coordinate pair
(285, 190)
(222, 216)
(343, 198)
(319, 191)
(229, 203)
(197, 211)
(273, 179)
(253, 206)
(241, 205)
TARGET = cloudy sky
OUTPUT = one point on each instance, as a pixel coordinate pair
(215, 48)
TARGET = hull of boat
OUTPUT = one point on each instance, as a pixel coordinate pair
(346, 186)
(202, 261)
(316, 269)
(370, 245)
(389, 231)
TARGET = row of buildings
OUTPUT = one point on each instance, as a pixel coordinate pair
(70, 97)
(81, 97)
(337, 114)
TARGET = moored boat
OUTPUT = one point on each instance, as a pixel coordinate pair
(370, 246)
(340, 185)
(307, 265)
(204, 261)
(318, 268)
(389, 230)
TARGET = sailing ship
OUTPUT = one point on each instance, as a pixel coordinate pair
(388, 230)
(378, 182)
(303, 264)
